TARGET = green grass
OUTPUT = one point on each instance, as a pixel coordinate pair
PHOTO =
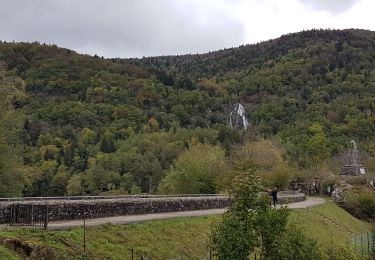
(329, 222)
(331, 226)
(167, 239)
(157, 239)
(5, 253)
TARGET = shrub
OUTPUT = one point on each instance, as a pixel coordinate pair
(251, 223)
(197, 170)
(361, 205)
(280, 177)
(293, 244)
(357, 180)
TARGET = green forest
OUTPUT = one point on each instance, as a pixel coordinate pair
(74, 124)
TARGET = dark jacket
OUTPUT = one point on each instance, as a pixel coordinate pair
(274, 194)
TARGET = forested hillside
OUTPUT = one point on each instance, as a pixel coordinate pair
(75, 124)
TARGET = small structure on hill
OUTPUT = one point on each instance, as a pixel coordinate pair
(353, 165)
(237, 118)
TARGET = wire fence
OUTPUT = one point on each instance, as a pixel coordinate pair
(364, 245)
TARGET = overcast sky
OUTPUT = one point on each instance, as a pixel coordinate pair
(136, 28)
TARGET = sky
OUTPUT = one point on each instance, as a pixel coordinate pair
(137, 28)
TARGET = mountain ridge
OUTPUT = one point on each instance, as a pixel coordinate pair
(87, 125)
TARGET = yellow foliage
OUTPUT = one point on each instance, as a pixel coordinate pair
(262, 154)
(267, 158)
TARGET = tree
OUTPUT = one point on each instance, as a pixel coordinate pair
(267, 158)
(107, 145)
(196, 170)
(293, 244)
(318, 146)
(74, 186)
(12, 178)
(87, 137)
(235, 237)
(262, 154)
(60, 181)
(97, 179)
(251, 223)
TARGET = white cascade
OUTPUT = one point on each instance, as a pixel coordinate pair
(237, 118)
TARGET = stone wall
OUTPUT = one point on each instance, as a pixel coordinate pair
(285, 197)
(96, 208)
(353, 170)
(75, 209)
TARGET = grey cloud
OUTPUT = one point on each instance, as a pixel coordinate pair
(116, 28)
(335, 7)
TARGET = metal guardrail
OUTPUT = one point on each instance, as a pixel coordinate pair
(89, 197)
(109, 197)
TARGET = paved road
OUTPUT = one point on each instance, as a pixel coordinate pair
(308, 203)
(132, 219)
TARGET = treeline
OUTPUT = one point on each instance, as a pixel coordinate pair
(75, 124)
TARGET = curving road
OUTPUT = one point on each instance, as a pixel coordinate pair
(308, 203)
(132, 219)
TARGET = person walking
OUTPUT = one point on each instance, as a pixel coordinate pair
(274, 196)
(270, 194)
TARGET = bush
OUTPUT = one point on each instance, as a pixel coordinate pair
(293, 244)
(197, 170)
(251, 223)
(280, 177)
(357, 180)
(340, 252)
(362, 205)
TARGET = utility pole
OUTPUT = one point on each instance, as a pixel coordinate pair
(84, 231)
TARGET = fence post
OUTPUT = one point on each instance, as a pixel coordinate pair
(84, 230)
(11, 215)
(210, 255)
(132, 253)
(368, 244)
(32, 215)
(18, 213)
(46, 217)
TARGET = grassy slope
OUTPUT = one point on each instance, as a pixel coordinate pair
(331, 226)
(184, 236)
(329, 222)
(5, 253)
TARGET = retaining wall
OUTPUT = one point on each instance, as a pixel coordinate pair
(76, 209)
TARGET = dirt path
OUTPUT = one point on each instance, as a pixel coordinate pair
(132, 219)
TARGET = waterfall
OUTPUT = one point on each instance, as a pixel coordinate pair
(237, 118)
